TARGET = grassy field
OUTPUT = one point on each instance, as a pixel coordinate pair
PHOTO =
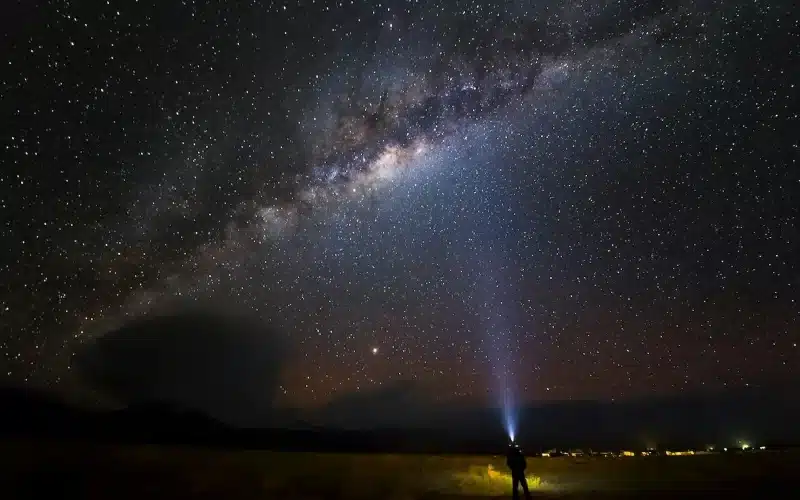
(36, 469)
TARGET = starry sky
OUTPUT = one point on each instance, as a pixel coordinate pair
(556, 199)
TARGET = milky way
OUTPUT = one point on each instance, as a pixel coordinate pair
(583, 200)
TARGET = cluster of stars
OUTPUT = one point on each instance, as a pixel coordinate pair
(585, 201)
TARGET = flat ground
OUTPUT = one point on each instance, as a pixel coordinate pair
(33, 469)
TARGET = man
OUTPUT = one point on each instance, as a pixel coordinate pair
(516, 462)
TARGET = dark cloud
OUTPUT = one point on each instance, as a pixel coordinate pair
(400, 404)
(224, 364)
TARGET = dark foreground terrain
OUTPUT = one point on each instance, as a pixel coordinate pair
(39, 469)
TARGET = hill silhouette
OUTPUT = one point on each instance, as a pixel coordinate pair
(759, 416)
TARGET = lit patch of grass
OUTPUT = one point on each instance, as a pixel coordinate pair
(30, 468)
(484, 481)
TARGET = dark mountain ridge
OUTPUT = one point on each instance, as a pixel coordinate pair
(754, 415)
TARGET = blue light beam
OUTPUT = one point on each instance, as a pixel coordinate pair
(496, 312)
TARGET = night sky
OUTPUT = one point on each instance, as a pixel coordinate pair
(562, 199)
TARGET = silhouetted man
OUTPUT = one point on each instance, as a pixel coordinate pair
(516, 462)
